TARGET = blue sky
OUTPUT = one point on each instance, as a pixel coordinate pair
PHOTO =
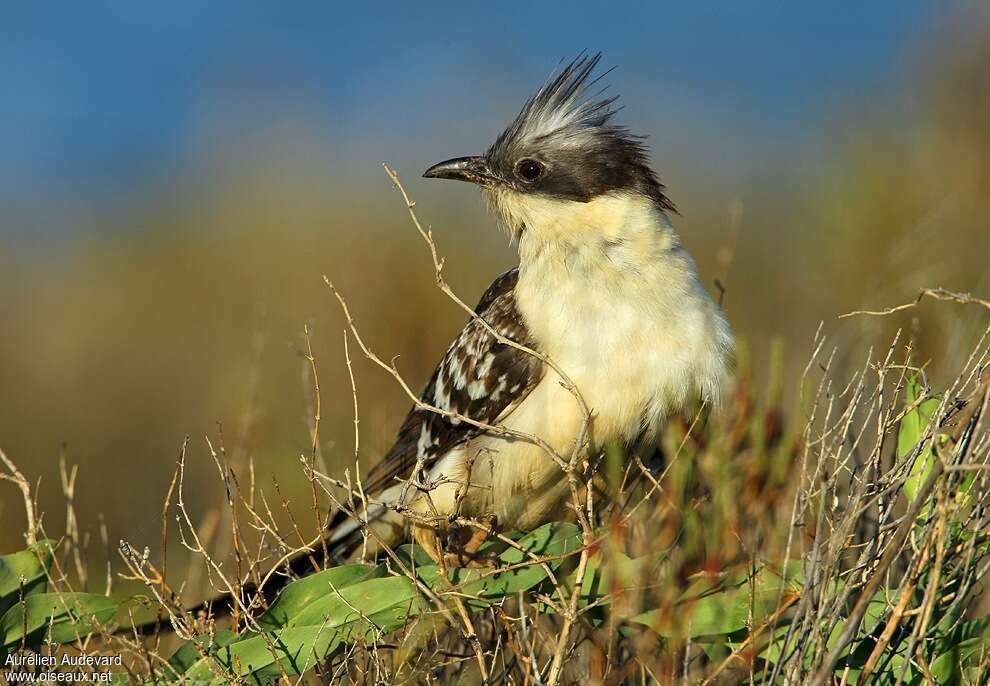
(103, 99)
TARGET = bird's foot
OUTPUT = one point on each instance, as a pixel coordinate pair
(479, 560)
(467, 553)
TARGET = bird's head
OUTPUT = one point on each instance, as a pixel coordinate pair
(562, 148)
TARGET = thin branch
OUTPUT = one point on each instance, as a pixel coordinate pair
(935, 293)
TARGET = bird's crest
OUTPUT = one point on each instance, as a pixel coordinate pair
(567, 126)
(562, 110)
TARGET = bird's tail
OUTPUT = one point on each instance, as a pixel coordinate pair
(344, 539)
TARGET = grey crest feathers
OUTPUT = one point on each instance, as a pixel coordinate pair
(571, 136)
(558, 110)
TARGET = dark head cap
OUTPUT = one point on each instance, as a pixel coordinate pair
(563, 144)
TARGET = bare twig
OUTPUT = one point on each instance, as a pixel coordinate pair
(14, 476)
(935, 293)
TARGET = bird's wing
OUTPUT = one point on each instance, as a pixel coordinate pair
(478, 377)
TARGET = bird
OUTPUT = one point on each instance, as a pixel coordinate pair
(605, 302)
(604, 293)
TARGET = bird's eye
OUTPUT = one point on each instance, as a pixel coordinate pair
(529, 170)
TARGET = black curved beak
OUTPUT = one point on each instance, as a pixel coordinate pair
(471, 169)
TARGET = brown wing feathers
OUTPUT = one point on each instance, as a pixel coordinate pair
(478, 377)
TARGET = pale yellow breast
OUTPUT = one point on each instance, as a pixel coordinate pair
(611, 297)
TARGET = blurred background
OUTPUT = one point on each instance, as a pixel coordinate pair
(175, 179)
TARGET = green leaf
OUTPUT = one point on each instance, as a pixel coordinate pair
(27, 569)
(911, 432)
(613, 575)
(550, 540)
(774, 647)
(66, 616)
(372, 607)
(366, 598)
(314, 616)
(961, 650)
(262, 658)
(300, 594)
(188, 653)
(413, 556)
(304, 597)
(722, 609)
(416, 635)
(605, 578)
